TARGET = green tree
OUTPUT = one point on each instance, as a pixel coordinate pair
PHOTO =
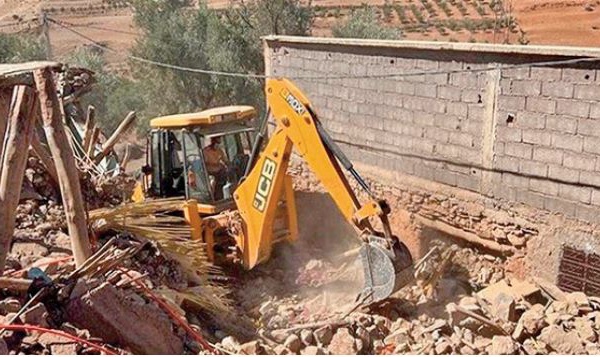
(363, 23)
(200, 37)
(20, 48)
(112, 95)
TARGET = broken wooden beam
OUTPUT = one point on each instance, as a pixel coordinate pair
(68, 175)
(114, 138)
(14, 161)
(89, 149)
(125, 159)
(467, 236)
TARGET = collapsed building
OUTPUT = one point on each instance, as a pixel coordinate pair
(489, 171)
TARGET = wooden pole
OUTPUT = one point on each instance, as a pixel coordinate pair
(89, 127)
(68, 175)
(14, 161)
(5, 100)
(89, 150)
(110, 143)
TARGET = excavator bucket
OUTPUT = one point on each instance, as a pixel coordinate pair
(385, 270)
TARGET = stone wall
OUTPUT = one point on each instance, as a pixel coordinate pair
(528, 134)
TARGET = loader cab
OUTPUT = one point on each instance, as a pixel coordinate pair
(200, 156)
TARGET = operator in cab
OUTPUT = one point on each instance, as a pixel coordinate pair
(217, 165)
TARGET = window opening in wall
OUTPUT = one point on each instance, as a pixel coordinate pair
(579, 271)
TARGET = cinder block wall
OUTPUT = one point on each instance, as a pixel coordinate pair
(529, 135)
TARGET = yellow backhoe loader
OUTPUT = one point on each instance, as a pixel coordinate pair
(238, 196)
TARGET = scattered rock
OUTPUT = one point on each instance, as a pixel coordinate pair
(251, 348)
(533, 320)
(584, 329)
(9, 305)
(307, 337)
(281, 350)
(36, 315)
(503, 345)
(561, 341)
(107, 313)
(293, 343)
(323, 335)
(343, 343)
(312, 351)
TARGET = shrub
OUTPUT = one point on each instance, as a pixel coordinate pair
(363, 24)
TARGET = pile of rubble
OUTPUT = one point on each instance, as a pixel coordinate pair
(507, 317)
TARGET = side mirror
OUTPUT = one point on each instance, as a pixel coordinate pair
(147, 170)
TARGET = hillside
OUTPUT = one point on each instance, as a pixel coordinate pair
(572, 22)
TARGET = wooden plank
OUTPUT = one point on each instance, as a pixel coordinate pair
(68, 175)
(21, 124)
(114, 138)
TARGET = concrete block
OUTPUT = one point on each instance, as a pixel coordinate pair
(579, 161)
(468, 182)
(424, 119)
(589, 178)
(433, 105)
(531, 198)
(471, 96)
(558, 172)
(558, 205)
(557, 89)
(445, 177)
(568, 142)
(413, 103)
(531, 120)
(575, 193)
(426, 64)
(511, 103)
(426, 90)
(523, 87)
(562, 123)
(515, 180)
(573, 107)
(540, 105)
(458, 109)
(509, 134)
(533, 168)
(461, 138)
(404, 87)
(577, 75)
(545, 74)
(596, 197)
(587, 92)
(449, 93)
(591, 145)
(437, 134)
(450, 122)
(588, 127)
(450, 65)
(516, 73)
(544, 186)
(588, 213)
(520, 150)
(538, 137)
(476, 112)
(414, 131)
(595, 111)
(550, 156)
(507, 163)
(440, 79)
(464, 80)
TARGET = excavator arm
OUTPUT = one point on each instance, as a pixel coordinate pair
(267, 191)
